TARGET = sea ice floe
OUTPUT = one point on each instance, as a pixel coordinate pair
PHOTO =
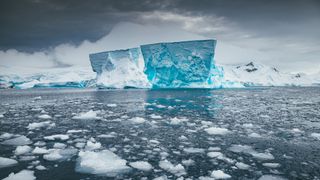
(137, 120)
(219, 174)
(22, 175)
(101, 163)
(193, 150)
(141, 165)
(271, 177)
(111, 105)
(249, 150)
(7, 162)
(44, 116)
(59, 145)
(315, 135)
(242, 166)
(57, 137)
(271, 165)
(92, 144)
(188, 162)
(39, 150)
(154, 116)
(73, 131)
(214, 154)
(6, 136)
(254, 135)
(18, 141)
(33, 126)
(22, 150)
(90, 115)
(177, 170)
(60, 154)
(176, 121)
(40, 168)
(217, 131)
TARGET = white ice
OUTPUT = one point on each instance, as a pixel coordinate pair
(102, 163)
(141, 165)
(57, 137)
(33, 126)
(219, 174)
(22, 150)
(44, 116)
(92, 115)
(177, 170)
(18, 141)
(193, 150)
(137, 120)
(7, 162)
(176, 121)
(217, 131)
(22, 175)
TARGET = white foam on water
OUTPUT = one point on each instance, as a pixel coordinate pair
(22, 175)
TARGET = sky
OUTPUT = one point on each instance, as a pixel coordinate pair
(58, 33)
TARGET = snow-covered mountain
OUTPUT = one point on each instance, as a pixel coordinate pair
(257, 74)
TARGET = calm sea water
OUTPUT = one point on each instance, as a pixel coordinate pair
(275, 131)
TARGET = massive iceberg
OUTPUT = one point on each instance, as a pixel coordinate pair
(187, 64)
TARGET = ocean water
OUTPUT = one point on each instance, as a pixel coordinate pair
(191, 133)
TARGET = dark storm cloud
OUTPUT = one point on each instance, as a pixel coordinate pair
(38, 24)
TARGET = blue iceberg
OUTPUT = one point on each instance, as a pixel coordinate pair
(187, 64)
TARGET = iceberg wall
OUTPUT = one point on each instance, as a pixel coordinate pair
(188, 64)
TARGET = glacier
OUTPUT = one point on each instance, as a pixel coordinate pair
(186, 64)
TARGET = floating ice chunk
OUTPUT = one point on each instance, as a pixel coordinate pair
(60, 154)
(18, 141)
(137, 120)
(22, 150)
(6, 136)
(153, 116)
(296, 130)
(155, 142)
(177, 170)
(262, 156)
(193, 150)
(206, 178)
(241, 148)
(141, 165)
(22, 175)
(214, 149)
(72, 131)
(87, 115)
(92, 145)
(248, 125)
(218, 174)
(271, 165)
(217, 131)
(39, 150)
(271, 177)
(112, 105)
(33, 126)
(242, 166)
(214, 154)
(255, 135)
(37, 98)
(188, 162)
(315, 135)
(57, 137)
(44, 116)
(1, 116)
(102, 163)
(110, 135)
(164, 177)
(176, 121)
(40, 168)
(7, 162)
(59, 145)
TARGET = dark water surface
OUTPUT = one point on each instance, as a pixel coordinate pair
(273, 131)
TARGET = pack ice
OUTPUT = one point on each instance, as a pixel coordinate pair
(187, 64)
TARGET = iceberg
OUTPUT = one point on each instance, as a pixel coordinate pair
(186, 64)
(119, 69)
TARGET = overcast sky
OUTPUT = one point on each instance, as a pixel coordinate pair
(283, 33)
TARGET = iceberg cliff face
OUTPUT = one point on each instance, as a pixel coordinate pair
(181, 64)
(188, 64)
(119, 69)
